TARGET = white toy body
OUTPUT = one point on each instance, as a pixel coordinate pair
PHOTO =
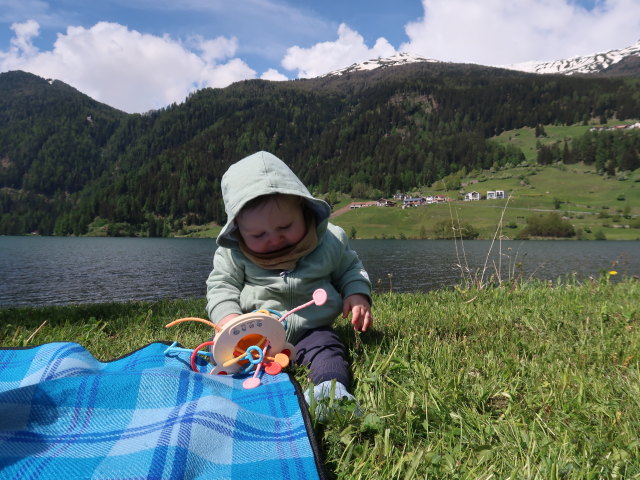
(251, 329)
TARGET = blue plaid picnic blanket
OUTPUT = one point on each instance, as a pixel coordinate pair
(66, 415)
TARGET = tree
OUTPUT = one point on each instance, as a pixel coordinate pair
(610, 168)
(630, 159)
(331, 198)
(545, 156)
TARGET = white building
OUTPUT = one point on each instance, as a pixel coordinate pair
(495, 195)
(471, 196)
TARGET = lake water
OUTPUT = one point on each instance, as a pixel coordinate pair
(63, 270)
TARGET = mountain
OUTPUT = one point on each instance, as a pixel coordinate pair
(68, 162)
(587, 64)
(44, 119)
(628, 66)
(615, 62)
(373, 64)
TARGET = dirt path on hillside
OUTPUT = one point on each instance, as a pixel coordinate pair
(340, 211)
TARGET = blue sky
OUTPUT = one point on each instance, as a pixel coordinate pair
(138, 55)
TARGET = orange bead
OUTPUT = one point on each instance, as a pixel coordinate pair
(282, 359)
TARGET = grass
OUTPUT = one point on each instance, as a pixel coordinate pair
(534, 380)
(591, 202)
(525, 138)
(209, 230)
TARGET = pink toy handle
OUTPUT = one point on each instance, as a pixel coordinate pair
(319, 298)
(254, 381)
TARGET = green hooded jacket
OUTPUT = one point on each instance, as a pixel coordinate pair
(236, 285)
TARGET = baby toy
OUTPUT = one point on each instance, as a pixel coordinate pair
(252, 341)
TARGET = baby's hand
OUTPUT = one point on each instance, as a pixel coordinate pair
(360, 309)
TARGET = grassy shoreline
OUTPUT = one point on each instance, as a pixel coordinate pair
(540, 380)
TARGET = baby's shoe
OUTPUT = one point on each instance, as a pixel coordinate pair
(330, 397)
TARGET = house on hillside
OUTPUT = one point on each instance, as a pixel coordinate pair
(472, 196)
(496, 195)
(383, 202)
(413, 202)
(362, 204)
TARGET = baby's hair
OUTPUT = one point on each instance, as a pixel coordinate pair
(278, 198)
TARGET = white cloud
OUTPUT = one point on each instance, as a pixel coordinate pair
(123, 68)
(273, 75)
(216, 49)
(496, 32)
(24, 32)
(225, 74)
(324, 57)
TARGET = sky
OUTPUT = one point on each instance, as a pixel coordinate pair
(142, 55)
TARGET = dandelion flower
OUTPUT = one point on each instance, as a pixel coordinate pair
(613, 272)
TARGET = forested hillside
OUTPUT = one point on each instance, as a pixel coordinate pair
(66, 160)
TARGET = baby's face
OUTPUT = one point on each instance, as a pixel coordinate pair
(272, 226)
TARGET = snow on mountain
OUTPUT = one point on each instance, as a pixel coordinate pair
(393, 61)
(582, 64)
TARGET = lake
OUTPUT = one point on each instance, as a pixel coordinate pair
(68, 270)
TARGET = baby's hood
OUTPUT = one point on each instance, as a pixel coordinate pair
(262, 174)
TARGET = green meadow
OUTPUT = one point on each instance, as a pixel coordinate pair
(592, 203)
(532, 380)
(526, 140)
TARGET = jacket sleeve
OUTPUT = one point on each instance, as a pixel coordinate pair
(350, 276)
(224, 285)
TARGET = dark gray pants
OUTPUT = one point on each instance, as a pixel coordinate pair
(324, 353)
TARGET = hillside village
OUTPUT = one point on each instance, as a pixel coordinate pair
(617, 127)
(404, 200)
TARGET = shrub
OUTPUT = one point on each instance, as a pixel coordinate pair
(549, 225)
(445, 230)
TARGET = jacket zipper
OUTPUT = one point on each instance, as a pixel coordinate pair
(286, 274)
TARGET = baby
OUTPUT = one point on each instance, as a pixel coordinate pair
(275, 250)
